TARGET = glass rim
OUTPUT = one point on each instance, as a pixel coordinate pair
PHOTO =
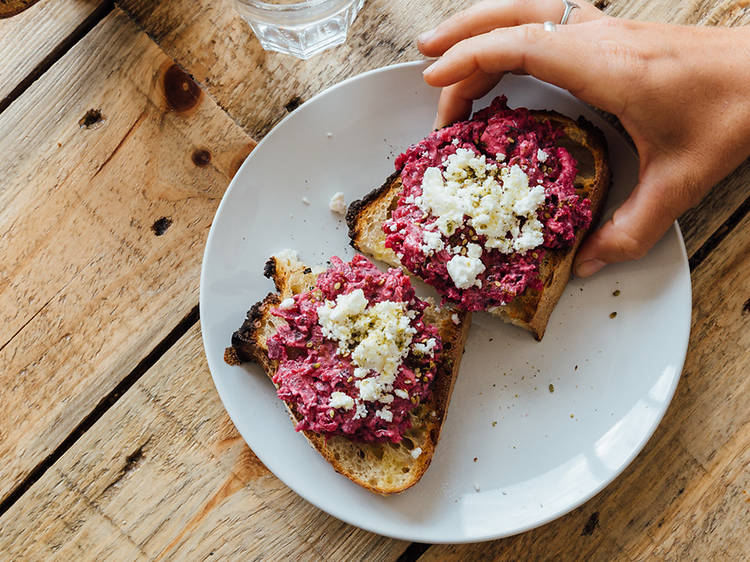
(292, 7)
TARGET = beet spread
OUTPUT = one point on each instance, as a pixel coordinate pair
(323, 377)
(504, 139)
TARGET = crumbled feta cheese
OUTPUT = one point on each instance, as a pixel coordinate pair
(432, 242)
(541, 155)
(361, 411)
(341, 400)
(384, 413)
(305, 200)
(416, 451)
(464, 270)
(337, 204)
(496, 201)
(287, 255)
(401, 393)
(455, 318)
(286, 304)
(454, 142)
(378, 337)
(426, 348)
(473, 250)
(500, 157)
(386, 399)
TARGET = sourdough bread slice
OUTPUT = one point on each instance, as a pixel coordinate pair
(532, 309)
(384, 468)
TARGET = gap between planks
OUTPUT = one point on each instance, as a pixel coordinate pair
(101, 408)
(57, 52)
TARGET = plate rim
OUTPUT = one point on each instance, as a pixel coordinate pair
(410, 536)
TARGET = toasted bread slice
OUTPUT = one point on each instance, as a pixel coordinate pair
(384, 468)
(532, 309)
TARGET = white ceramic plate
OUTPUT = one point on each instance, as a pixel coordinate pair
(538, 453)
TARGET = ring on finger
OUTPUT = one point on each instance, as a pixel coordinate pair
(568, 7)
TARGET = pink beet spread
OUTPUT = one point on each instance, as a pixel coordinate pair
(517, 135)
(310, 370)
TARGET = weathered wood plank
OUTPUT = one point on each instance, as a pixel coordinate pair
(164, 474)
(87, 285)
(218, 48)
(29, 39)
(686, 495)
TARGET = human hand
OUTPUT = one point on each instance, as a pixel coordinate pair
(679, 91)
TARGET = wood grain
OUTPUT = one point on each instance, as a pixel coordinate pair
(686, 496)
(165, 475)
(218, 48)
(87, 287)
(38, 34)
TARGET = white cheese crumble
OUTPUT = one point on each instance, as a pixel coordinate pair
(401, 393)
(287, 255)
(286, 304)
(384, 413)
(341, 400)
(498, 202)
(473, 251)
(361, 411)
(337, 204)
(455, 318)
(426, 348)
(416, 451)
(464, 270)
(541, 155)
(500, 157)
(378, 337)
(432, 242)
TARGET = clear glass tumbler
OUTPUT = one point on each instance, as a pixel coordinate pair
(299, 28)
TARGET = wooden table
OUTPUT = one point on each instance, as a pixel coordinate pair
(121, 126)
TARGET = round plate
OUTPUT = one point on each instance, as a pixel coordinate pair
(534, 429)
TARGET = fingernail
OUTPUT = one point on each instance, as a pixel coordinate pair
(589, 267)
(429, 69)
(425, 36)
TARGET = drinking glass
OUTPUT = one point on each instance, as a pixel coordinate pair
(299, 28)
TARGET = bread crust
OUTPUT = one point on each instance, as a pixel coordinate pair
(249, 344)
(533, 308)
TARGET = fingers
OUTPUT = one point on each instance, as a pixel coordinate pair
(490, 14)
(635, 227)
(456, 100)
(567, 58)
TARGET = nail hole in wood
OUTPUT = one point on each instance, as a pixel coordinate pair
(591, 524)
(161, 225)
(201, 157)
(293, 104)
(91, 119)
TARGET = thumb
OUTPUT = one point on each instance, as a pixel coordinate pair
(631, 232)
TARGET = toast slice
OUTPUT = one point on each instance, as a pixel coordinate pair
(383, 468)
(530, 310)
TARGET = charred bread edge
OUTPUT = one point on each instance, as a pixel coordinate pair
(244, 342)
(357, 206)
